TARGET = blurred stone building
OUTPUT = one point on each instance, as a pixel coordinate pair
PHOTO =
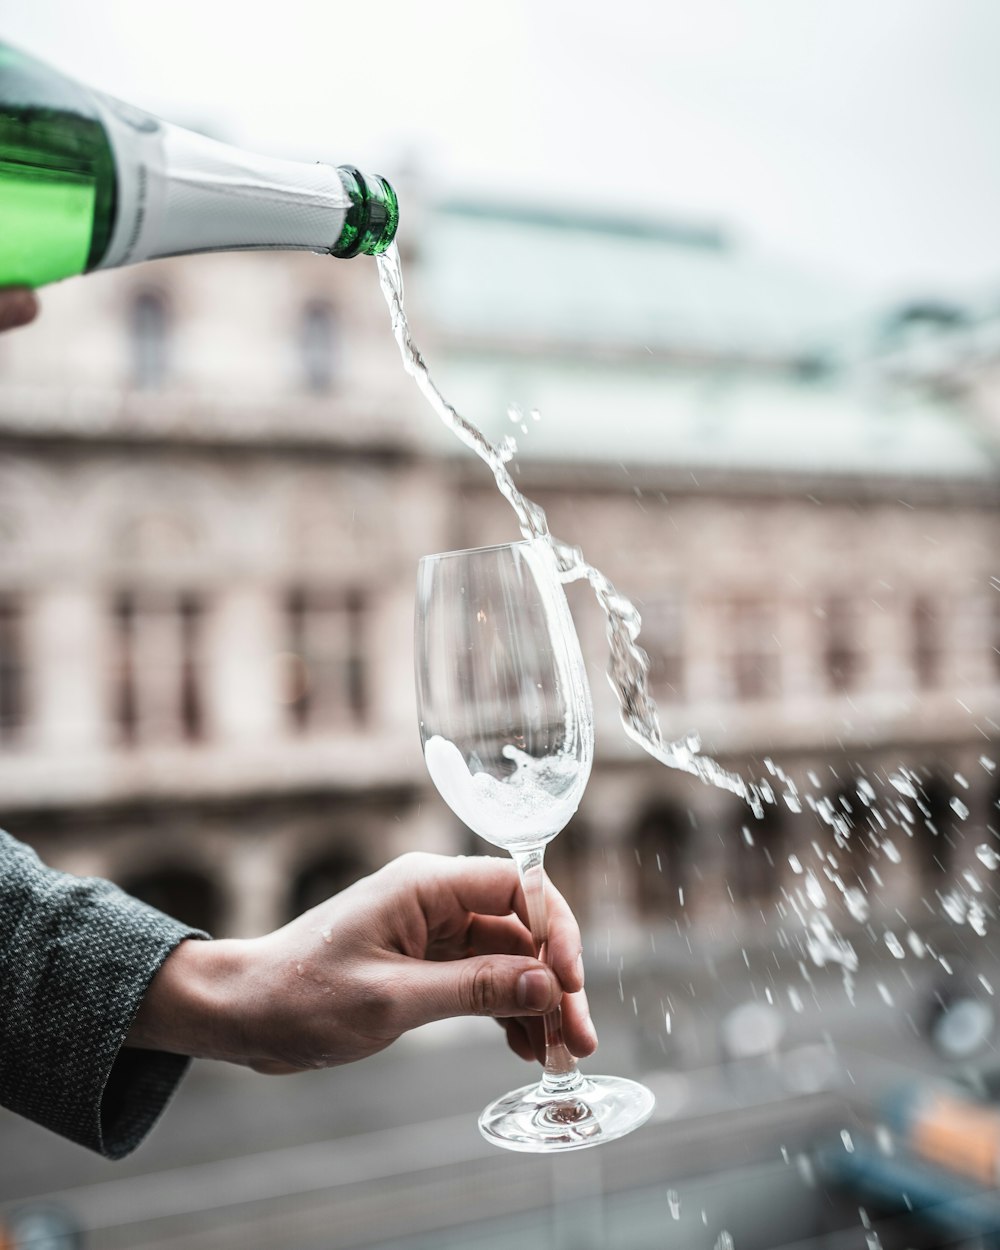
(216, 481)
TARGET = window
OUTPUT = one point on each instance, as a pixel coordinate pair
(934, 831)
(662, 636)
(317, 343)
(760, 857)
(184, 893)
(157, 696)
(926, 641)
(326, 636)
(752, 649)
(12, 670)
(149, 333)
(841, 656)
(662, 853)
(332, 872)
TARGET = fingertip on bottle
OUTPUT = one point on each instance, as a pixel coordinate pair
(18, 307)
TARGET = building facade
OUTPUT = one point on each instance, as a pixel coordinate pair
(216, 482)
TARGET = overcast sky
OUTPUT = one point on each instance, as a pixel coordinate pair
(857, 137)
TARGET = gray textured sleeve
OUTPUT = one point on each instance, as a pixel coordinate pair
(76, 956)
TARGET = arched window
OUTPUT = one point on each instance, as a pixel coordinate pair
(12, 668)
(317, 346)
(149, 335)
(934, 831)
(661, 844)
(184, 893)
(760, 857)
(328, 874)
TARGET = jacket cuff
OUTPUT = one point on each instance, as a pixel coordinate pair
(79, 958)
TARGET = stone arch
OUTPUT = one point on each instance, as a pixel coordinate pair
(934, 830)
(661, 843)
(150, 516)
(567, 862)
(189, 894)
(328, 872)
(761, 850)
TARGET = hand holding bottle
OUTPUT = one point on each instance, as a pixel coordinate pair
(18, 306)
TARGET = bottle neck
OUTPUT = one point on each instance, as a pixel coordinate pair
(371, 220)
(181, 192)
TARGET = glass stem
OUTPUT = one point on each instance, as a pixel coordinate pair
(561, 1075)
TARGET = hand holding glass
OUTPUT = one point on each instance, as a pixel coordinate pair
(507, 729)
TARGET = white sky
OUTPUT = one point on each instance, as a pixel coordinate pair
(858, 137)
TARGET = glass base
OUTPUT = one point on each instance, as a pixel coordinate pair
(598, 1110)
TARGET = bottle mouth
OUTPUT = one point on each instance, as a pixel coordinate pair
(372, 217)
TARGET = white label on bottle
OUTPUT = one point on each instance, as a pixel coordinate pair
(137, 143)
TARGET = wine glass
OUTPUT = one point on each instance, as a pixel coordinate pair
(507, 730)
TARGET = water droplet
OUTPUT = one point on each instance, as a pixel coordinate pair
(959, 808)
(962, 781)
(747, 836)
(972, 881)
(669, 1022)
(795, 863)
(806, 1170)
(814, 890)
(856, 904)
(894, 944)
(674, 1203)
(327, 935)
(915, 943)
(903, 784)
(953, 905)
(848, 1141)
(883, 1139)
(795, 999)
(892, 852)
(724, 1241)
(872, 1240)
(985, 984)
(884, 993)
(987, 856)
(792, 802)
(988, 764)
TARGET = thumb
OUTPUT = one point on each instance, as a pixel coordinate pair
(485, 985)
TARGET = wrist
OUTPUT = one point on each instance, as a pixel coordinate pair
(188, 1007)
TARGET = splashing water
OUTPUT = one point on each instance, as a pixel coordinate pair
(629, 665)
(848, 819)
(872, 1239)
(987, 856)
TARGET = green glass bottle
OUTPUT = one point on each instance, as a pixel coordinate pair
(87, 182)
